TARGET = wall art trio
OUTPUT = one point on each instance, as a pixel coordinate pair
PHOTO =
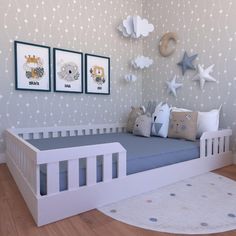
(32, 70)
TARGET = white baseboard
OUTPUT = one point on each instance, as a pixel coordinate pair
(2, 158)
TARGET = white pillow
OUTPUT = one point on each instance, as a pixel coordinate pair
(160, 120)
(208, 121)
(178, 109)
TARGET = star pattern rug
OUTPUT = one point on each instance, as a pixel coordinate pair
(200, 205)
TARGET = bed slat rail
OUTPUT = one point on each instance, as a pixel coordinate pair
(73, 157)
(24, 158)
(73, 177)
(52, 178)
(27, 158)
(122, 165)
(91, 171)
(107, 171)
(214, 143)
(54, 132)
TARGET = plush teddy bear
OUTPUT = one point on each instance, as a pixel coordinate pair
(135, 112)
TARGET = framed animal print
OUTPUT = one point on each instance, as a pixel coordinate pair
(32, 67)
(97, 74)
(68, 71)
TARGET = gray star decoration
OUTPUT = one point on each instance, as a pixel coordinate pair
(172, 86)
(187, 63)
(203, 75)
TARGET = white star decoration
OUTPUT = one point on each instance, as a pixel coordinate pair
(172, 86)
(203, 75)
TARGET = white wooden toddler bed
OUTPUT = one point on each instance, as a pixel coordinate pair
(25, 160)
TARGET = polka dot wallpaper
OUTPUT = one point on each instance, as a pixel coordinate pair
(206, 28)
(86, 26)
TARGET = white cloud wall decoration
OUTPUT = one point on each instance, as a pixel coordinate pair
(122, 29)
(130, 78)
(141, 62)
(135, 27)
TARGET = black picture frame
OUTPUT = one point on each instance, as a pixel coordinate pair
(97, 74)
(32, 67)
(68, 71)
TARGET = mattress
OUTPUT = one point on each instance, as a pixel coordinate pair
(142, 153)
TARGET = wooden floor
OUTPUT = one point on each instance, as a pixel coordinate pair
(15, 219)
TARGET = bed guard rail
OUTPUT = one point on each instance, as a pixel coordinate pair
(28, 159)
(66, 131)
(72, 155)
(215, 142)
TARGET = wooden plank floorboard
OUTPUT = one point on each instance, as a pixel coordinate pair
(229, 171)
(115, 228)
(95, 219)
(7, 224)
(16, 220)
(81, 227)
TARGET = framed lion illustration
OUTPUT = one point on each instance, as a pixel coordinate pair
(97, 78)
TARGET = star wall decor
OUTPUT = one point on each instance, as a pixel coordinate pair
(187, 62)
(172, 86)
(203, 75)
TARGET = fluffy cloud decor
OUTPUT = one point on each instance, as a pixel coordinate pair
(142, 62)
(135, 27)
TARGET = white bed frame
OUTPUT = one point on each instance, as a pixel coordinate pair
(23, 161)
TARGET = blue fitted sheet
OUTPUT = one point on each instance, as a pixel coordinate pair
(142, 153)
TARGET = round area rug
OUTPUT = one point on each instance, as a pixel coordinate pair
(200, 205)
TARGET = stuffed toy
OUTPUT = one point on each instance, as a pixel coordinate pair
(160, 120)
(142, 126)
(183, 125)
(151, 107)
(135, 112)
